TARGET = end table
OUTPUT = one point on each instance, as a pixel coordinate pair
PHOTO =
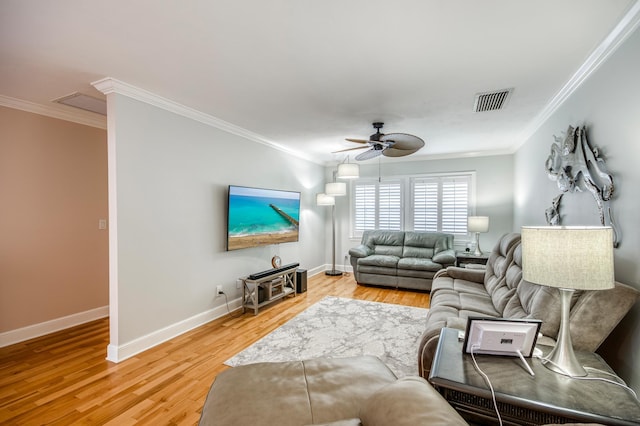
(523, 399)
(464, 258)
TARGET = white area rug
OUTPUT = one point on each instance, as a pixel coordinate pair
(338, 327)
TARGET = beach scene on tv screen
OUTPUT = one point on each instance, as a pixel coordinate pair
(262, 216)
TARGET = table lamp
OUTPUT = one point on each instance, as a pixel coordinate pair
(569, 258)
(478, 224)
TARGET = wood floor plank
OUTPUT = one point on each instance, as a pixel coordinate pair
(63, 378)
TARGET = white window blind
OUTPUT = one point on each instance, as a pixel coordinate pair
(435, 203)
(378, 205)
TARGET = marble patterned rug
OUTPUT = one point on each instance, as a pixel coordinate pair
(339, 327)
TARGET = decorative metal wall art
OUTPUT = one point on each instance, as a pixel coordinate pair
(576, 167)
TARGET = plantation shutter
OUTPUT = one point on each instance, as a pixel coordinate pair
(377, 205)
(365, 206)
(455, 205)
(425, 205)
(390, 209)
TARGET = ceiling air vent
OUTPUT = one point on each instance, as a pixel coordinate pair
(491, 101)
(85, 102)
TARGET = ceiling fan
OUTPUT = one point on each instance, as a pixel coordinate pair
(389, 145)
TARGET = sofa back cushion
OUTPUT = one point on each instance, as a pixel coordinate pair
(526, 300)
(384, 242)
(425, 244)
(499, 260)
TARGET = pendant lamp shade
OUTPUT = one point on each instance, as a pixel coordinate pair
(337, 189)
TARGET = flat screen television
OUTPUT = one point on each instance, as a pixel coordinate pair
(258, 217)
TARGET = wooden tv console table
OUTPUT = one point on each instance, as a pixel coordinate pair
(259, 292)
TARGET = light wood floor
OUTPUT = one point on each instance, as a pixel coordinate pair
(63, 378)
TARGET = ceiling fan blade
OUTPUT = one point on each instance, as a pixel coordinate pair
(350, 149)
(403, 141)
(357, 140)
(392, 152)
(367, 155)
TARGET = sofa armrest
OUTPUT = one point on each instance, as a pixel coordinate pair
(360, 251)
(445, 257)
(455, 272)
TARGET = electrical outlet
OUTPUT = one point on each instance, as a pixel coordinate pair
(239, 283)
(219, 291)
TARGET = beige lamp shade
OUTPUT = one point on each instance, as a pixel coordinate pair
(337, 189)
(348, 171)
(478, 223)
(568, 257)
(325, 200)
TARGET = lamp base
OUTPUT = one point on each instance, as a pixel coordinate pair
(562, 359)
(478, 252)
(333, 273)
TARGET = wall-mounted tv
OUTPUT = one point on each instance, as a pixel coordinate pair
(257, 217)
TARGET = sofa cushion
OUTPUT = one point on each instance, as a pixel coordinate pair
(459, 279)
(294, 393)
(499, 260)
(418, 264)
(380, 260)
(345, 422)
(384, 242)
(408, 401)
(464, 303)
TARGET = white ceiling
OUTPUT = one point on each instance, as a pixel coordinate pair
(305, 74)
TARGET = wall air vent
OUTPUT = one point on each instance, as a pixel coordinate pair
(85, 102)
(491, 101)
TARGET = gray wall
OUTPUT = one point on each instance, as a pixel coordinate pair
(172, 175)
(494, 193)
(608, 103)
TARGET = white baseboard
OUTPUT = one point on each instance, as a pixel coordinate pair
(32, 331)
(141, 344)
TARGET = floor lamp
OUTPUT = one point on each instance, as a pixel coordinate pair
(334, 189)
(569, 258)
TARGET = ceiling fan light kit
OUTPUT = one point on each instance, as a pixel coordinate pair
(389, 145)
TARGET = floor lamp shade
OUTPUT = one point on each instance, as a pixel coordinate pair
(348, 171)
(337, 189)
(325, 200)
(569, 258)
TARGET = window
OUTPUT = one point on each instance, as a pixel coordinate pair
(435, 203)
(377, 205)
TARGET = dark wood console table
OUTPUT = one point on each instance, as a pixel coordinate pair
(523, 399)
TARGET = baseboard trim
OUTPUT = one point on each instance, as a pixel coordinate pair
(122, 352)
(36, 330)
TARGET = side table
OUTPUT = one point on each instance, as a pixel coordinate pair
(464, 258)
(523, 399)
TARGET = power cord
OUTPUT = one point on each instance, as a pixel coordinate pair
(226, 301)
(601, 379)
(486, 379)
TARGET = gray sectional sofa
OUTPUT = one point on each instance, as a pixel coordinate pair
(401, 259)
(500, 291)
(357, 391)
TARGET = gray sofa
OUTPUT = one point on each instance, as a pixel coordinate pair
(357, 391)
(401, 259)
(500, 291)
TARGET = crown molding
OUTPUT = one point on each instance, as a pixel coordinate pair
(625, 27)
(61, 113)
(111, 85)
